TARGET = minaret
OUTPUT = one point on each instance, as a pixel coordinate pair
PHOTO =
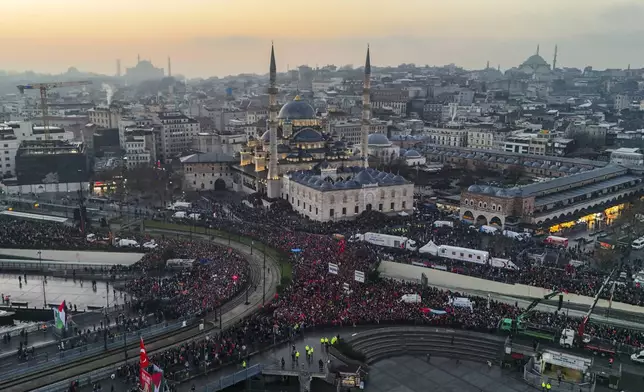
(366, 111)
(118, 68)
(537, 49)
(272, 180)
(169, 67)
(554, 60)
(138, 58)
(487, 66)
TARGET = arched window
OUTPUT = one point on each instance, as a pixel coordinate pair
(404, 191)
(498, 208)
(344, 198)
(480, 204)
(331, 199)
(484, 205)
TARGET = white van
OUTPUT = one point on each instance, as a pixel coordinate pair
(638, 243)
(638, 357)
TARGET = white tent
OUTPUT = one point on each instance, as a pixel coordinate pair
(430, 248)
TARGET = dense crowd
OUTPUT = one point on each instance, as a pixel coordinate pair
(317, 298)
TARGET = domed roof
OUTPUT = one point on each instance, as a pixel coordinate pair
(326, 186)
(399, 180)
(574, 169)
(308, 135)
(412, 154)
(501, 193)
(536, 164)
(535, 60)
(266, 137)
(297, 109)
(545, 166)
(489, 190)
(474, 188)
(378, 139)
(364, 178)
(283, 148)
(554, 167)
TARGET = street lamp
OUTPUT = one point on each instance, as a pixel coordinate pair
(44, 279)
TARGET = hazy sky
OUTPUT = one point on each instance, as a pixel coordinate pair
(220, 37)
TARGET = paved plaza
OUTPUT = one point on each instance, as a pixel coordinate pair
(76, 292)
(412, 374)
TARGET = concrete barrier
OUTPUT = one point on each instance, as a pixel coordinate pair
(454, 281)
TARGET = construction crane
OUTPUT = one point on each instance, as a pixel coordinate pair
(44, 87)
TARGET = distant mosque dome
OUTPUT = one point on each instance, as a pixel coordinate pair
(297, 109)
(535, 60)
(378, 139)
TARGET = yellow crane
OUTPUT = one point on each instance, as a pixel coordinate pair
(44, 87)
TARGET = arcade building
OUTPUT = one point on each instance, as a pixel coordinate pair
(590, 198)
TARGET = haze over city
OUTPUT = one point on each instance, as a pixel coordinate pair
(221, 37)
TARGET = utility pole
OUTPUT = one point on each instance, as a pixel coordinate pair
(264, 288)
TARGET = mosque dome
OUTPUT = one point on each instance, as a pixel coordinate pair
(378, 139)
(535, 61)
(474, 189)
(297, 109)
(412, 154)
(266, 137)
(308, 135)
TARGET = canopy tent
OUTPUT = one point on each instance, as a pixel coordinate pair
(430, 248)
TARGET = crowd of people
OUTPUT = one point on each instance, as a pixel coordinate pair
(316, 297)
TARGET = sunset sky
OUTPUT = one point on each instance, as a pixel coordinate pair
(220, 37)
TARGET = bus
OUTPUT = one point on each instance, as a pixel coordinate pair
(556, 240)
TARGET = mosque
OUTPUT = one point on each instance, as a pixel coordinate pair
(319, 174)
(536, 67)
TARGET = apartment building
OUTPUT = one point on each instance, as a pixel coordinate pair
(177, 133)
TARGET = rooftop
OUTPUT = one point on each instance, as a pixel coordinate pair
(570, 194)
(567, 181)
(209, 157)
(356, 177)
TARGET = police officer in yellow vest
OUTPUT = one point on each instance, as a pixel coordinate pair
(543, 386)
(243, 364)
(548, 386)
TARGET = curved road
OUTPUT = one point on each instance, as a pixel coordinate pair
(238, 311)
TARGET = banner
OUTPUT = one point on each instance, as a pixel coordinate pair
(359, 276)
(60, 318)
(146, 381)
(333, 268)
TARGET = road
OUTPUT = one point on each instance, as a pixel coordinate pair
(229, 318)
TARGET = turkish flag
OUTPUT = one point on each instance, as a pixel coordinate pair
(144, 361)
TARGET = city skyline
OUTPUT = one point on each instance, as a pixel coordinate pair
(218, 38)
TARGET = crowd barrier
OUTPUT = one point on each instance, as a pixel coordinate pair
(44, 361)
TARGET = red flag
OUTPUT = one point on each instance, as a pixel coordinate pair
(144, 361)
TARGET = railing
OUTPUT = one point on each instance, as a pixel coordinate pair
(83, 380)
(44, 361)
(232, 379)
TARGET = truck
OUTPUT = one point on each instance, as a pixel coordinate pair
(386, 240)
(464, 254)
(529, 330)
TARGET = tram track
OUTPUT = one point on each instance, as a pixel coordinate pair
(21, 383)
